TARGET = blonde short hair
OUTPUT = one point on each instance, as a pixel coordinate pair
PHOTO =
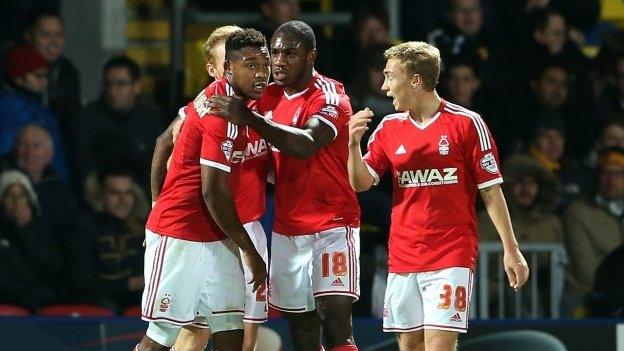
(418, 57)
(218, 36)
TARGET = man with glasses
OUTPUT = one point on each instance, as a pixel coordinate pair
(119, 123)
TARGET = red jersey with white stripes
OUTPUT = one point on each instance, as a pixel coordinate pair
(180, 211)
(314, 194)
(437, 169)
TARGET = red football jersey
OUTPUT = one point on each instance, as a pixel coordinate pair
(437, 169)
(180, 210)
(314, 194)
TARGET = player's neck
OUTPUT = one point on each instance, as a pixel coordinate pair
(301, 84)
(426, 106)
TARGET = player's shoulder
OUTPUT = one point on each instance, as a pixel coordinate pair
(327, 90)
(460, 115)
(392, 121)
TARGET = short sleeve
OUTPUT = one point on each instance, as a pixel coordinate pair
(218, 138)
(481, 154)
(332, 109)
(376, 159)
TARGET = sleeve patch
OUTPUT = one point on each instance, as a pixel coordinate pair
(488, 163)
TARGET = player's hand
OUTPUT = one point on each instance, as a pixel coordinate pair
(257, 266)
(516, 268)
(177, 127)
(358, 124)
(231, 108)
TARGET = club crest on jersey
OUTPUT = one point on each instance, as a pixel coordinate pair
(488, 162)
(443, 145)
(227, 147)
(295, 118)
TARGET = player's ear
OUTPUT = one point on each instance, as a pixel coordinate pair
(212, 71)
(416, 80)
(311, 56)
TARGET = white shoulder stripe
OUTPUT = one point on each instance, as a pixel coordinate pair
(232, 130)
(400, 115)
(480, 126)
(329, 90)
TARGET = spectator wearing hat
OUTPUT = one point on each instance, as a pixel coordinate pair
(21, 102)
(547, 147)
(532, 194)
(29, 258)
(593, 225)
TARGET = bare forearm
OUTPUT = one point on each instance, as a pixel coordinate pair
(162, 151)
(496, 207)
(223, 210)
(289, 140)
(359, 176)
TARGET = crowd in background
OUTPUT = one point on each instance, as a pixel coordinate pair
(75, 174)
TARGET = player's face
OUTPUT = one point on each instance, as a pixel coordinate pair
(217, 53)
(118, 196)
(250, 73)
(48, 37)
(398, 85)
(289, 59)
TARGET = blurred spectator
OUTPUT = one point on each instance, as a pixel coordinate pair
(611, 136)
(369, 30)
(45, 32)
(275, 13)
(515, 15)
(607, 298)
(593, 226)
(32, 154)
(30, 258)
(532, 194)
(366, 89)
(109, 261)
(119, 123)
(13, 15)
(550, 100)
(21, 102)
(612, 98)
(465, 33)
(548, 149)
(462, 84)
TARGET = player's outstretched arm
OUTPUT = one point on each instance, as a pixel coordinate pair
(162, 152)
(218, 199)
(297, 142)
(513, 260)
(359, 176)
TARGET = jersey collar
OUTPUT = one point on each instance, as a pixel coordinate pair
(423, 126)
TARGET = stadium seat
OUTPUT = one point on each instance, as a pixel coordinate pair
(13, 311)
(78, 310)
(520, 340)
(134, 311)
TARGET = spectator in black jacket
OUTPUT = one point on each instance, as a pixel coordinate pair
(29, 256)
(607, 299)
(46, 33)
(119, 123)
(109, 260)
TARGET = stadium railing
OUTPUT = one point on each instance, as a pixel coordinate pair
(535, 254)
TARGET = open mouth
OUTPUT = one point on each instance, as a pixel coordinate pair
(259, 87)
(279, 75)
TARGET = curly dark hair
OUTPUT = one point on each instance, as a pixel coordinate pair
(248, 37)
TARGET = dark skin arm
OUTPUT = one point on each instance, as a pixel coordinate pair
(162, 151)
(218, 199)
(297, 142)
